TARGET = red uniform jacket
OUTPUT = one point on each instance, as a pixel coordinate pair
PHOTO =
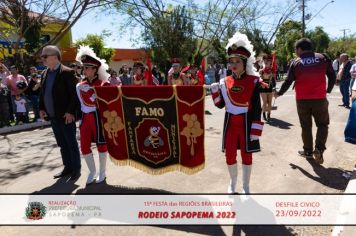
(241, 97)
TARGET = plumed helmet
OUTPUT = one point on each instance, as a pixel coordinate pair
(90, 61)
(240, 46)
(175, 62)
(87, 57)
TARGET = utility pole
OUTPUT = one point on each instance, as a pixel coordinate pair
(303, 18)
(302, 8)
(344, 30)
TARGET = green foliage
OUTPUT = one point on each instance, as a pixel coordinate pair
(320, 39)
(96, 42)
(169, 36)
(259, 43)
(33, 37)
(288, 33)
(338, 46)
(24, 25)
(220, 50)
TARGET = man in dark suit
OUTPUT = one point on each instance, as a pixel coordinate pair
(59, 102)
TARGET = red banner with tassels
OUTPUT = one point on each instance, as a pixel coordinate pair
(155, 129)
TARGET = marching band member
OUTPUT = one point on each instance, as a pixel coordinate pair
(94, 70)
(239, 94)
(191, 77)
(138, 78)
(266, 93)
(175, 76)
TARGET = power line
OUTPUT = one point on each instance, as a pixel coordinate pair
(320, 11)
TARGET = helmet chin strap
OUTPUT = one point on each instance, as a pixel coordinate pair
(238, 75)
(91, 78)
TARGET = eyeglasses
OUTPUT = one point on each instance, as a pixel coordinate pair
(45, 56)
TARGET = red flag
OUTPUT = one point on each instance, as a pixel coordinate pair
(148, 72)
(201, 72)
(185, 69)
(274, 64)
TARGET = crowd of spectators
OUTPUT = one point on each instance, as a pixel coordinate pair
(19, 95)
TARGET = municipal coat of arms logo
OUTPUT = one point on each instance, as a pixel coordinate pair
(35, 211)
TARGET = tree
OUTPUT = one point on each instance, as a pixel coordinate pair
(24, 26)
(263, 22)
(171, 36)
(212, 21)
(338, 46)
(258, 41)
(289, 32)
(26, 16)
(220, 51)
(320, 39)
(96, 42)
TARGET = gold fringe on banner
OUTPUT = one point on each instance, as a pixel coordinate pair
(160, 171)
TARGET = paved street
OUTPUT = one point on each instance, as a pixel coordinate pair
(29, 159)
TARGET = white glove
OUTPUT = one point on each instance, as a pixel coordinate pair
(214, 87)
(84, 87)
(254, 137)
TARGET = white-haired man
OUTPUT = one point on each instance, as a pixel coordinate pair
(59, 102)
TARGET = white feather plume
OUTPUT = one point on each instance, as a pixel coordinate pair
(86, 50)
(241, 40)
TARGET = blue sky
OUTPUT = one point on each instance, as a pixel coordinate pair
(333, 17)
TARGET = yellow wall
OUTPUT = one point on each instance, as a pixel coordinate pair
(5, 52)
(53, 28)
(50, 29)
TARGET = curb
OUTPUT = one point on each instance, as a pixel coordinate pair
(347, 210)
(23, 127)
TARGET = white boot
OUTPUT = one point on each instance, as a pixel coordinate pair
(102, 164)
(91, 166)
(233, 178)
(246, 173)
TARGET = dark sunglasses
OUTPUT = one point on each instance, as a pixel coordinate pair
(45, 56)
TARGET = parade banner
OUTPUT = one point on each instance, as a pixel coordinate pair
(186, 209)
(154, 128)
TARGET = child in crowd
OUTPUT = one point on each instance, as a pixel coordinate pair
(21, 110)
